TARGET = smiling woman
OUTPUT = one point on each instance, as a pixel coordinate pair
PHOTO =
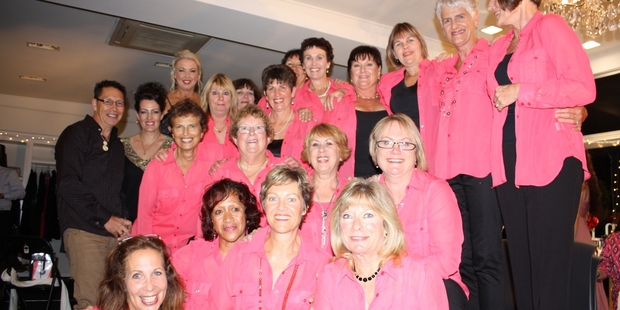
(171, 190)
(138, 275)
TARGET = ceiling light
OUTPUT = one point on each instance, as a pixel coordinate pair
(593, 16)
(591, 44)
(491, 30)
(43, 46)
(32, 78)
(163, 64)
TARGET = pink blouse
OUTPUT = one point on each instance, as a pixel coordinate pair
(432, 224)
(237, 284)
(611, 263)
(465, 115)
(312, 227)
(415, 284)
(294, 137)
(210, 143)
(170, 203)
(553, 71)
(198, 264)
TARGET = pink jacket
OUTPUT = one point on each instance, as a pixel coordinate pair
(313, 225)
(427, 80)
(554, 71)
(465, 115)
(415, 284)
(231, 170)
(343, 116)
(169, 203)
(237, 284)
(294, 137)
(432, 224)
(198, 264)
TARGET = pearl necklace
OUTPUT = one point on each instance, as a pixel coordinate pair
(366, 279)
(376, 96)
(446, 109)
(284, 126)
(329, 84)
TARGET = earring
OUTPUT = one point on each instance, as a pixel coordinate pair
(377, 166)
(327, 71)
(137, 122)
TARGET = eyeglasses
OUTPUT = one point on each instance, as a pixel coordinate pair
(110, 101)
(148, 236)
(258, 129)
(403, 146)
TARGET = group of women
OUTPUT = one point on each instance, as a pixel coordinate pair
(433, 147)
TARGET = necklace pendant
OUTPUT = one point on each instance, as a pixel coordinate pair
(324, 214)
(105, 146)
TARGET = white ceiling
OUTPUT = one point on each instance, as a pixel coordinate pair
(249, 35)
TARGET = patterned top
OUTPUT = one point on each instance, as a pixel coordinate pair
(131, 154)
(610, 263)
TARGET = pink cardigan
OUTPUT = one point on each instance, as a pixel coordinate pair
(554, 71)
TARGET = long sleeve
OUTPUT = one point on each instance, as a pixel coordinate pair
(556, 70)
(16, 188)
(149, 187)
(72, 150)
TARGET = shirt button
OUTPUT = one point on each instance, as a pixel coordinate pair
(448, 113)
(382, 272)
(197, 291)
(277, 292)
(443, 103)
(240, 291)
(377, 295)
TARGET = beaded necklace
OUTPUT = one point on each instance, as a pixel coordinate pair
(368, 278)
(445, 110)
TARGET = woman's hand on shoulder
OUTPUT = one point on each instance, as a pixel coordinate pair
(248, 237)
(329, 102)
(443, 56)
(161, 155)
(304, 114)
(292, 162)
(216, 166)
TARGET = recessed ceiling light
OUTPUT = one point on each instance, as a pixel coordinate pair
(491, 30)
(163, 64)
(32, 78)
(43, 46)
(591, 44)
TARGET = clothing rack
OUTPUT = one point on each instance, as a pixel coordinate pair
(42, 167)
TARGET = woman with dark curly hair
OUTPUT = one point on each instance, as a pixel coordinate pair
(139, 275)
(228, 213)
(150, 102)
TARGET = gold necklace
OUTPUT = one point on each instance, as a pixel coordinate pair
(142, 143)
(244, 170)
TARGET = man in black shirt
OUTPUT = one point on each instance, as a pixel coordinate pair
(91, 211)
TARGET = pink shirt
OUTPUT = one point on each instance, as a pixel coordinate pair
(554, 71)
(344, 117)
(198, 264)
(427, 81)
(432, 224)
(236, 285)
(610, 262)
(170, 203)
(231, 170)
(413, 285)
(294, 137)
(312, 227)
(465, 115)
(210, 144)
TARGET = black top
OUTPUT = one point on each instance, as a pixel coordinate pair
(366, 121)
(275, 147)
(89, 178)
(501, 75)
(163, 125)
(405, 100)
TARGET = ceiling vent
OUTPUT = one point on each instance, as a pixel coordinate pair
(155, 39)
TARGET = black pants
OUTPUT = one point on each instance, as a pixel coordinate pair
(481, 259)
(457, 300)
(539, 227)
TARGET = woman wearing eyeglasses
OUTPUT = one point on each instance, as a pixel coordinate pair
(251, 131)
(426, 205)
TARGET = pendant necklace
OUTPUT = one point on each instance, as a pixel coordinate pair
(142, 143)
(105, 144)
(324, 215)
